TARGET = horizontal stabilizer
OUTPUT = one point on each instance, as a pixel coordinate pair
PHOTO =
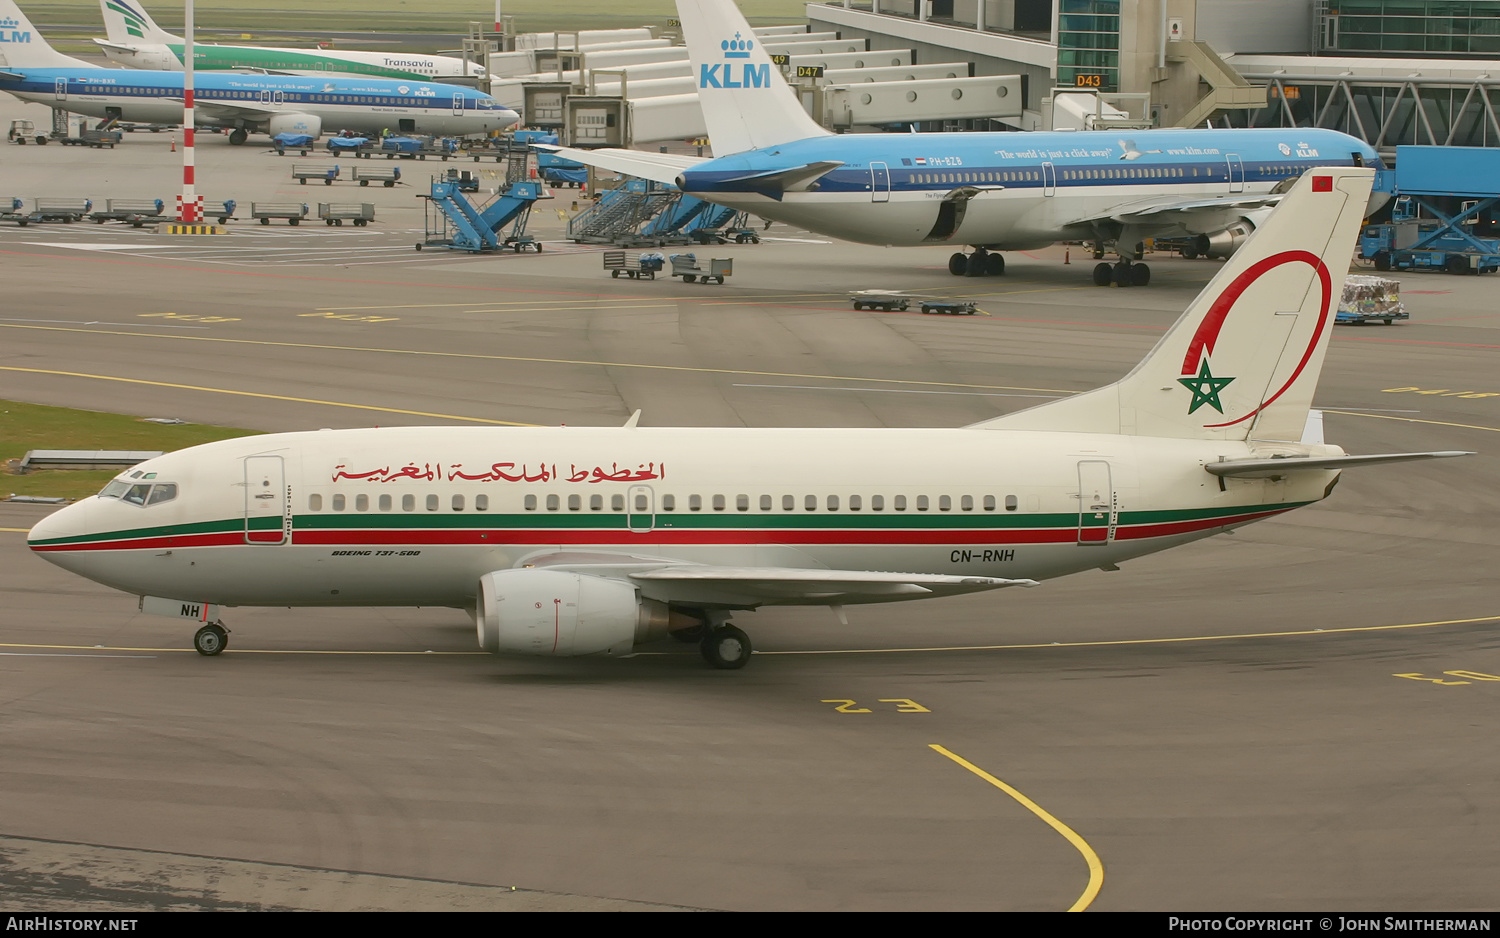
(806, 587)
(658, 167)
(1267, 468)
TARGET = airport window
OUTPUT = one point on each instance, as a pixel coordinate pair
(742, 503)
(718, 503)
(765, 503)
(529, 503)
(617, 503)
(788, 503)
(669, 503)
(945, 503)
(877, 503)
(695, 503)
(338, 503)
(481, 503)
(1010, 503)
(899, 503)
(552, 503)
(458, 503)
(811, 503)
(575, 503)
(854, 503)
(833, 503)
(432, 503)
(596, 503)
(921, 503)
(385, 503)
(967, 503)
(314, 503)
(361, 502)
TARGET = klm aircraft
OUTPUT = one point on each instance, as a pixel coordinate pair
(991, 191)
(32, 70)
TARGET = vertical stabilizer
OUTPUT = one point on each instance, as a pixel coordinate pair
(746, 103)
(24, 47)
(1243, 361)
(128, 24)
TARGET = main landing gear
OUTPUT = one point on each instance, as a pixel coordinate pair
(211, 639)
(979, 264)
(722, 645)
(238, 136)
(1123, 273)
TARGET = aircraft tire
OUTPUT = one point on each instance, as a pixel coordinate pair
(958, 265)
(238, 136)
(994, 265)
(211, 640)
(977, 265)
(1121, 274)
(1140, 275)
(1103, 274)
(726, 648)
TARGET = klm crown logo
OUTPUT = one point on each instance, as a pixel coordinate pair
(724, 74)
(736, 48)
(9, 32)
(9, 22)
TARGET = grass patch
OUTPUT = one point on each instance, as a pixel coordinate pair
(26, 427)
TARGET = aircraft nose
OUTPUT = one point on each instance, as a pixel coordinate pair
(61, 525)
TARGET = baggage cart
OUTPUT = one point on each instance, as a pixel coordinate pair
(643, 267)
(98, 139)
(302, 172)
(466, 180)
(1368, 299)
(350, 146)
(301, 143)
(134, 212)
(687, 267)
(387, 176)
(63, 210)
(222, 210)
(888, 300)
(949, 307)
(336, 213)
(13, 209)
(293, 212)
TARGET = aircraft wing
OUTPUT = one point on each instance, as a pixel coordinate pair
(1278, 466)
(1167, 210)
(658, 167)
(791, 586)
(218, 110)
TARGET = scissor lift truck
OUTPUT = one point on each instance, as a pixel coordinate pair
(1427, 230)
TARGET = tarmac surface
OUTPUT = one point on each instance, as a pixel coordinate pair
(1298, 717)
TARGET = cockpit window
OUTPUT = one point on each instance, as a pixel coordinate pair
(137, 494)
(141, 493)
(115, 489)
(162, 492)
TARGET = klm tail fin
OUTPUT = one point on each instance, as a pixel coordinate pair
(128, 23)
(24, 47)
(746, 103)
(1243, 362)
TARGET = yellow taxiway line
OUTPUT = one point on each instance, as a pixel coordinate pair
(1096, 866)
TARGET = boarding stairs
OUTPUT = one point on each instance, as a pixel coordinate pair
(455, 221)
(620, 214)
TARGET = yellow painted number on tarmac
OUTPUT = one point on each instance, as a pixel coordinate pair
(846, 706)
(189, 317)
(1471, 675)
(1474, 675)
(348, 317)
(1443, 392)
(905, 705)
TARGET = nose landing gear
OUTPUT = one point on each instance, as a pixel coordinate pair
(979, 264)
(211, 639)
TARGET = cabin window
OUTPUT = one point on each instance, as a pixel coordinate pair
(1010, 503)
(432, 503)
(718, 503)
(811, 503)
(788, 503)
(575, 502)
(338, 503)
(408, 503)
(669, 503)
(481, 503)
(695, 503)
(833, 503)
(596, 503)
(385, 503)
(552, 503)
(617, 503)
(314, 503)
(989, 503)
(921, 503)
(529, 503)
(854, 503)
(765, 503)
(945, 503)
(642, 503)
(458, 503)
(877, 503)
(899, 503)
(361, 503)
(742, 503)
(966, 503)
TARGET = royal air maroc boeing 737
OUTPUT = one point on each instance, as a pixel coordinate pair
(575, 541)
(992, 191)
(32, 70)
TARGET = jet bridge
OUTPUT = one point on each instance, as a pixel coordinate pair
(899, 102)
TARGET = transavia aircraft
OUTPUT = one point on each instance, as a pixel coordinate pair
(993, 191)
(575, 541)
(32, 70)
(135, 41)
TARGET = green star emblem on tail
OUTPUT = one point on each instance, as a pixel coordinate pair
(1205, 388)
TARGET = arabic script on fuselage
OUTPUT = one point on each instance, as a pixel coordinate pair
(504, 472)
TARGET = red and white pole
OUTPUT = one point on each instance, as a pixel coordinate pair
(498, 27)
(189, 207)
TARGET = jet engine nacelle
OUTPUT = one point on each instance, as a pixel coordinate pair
(1226, 242)
(561, 614)
(295, 123)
